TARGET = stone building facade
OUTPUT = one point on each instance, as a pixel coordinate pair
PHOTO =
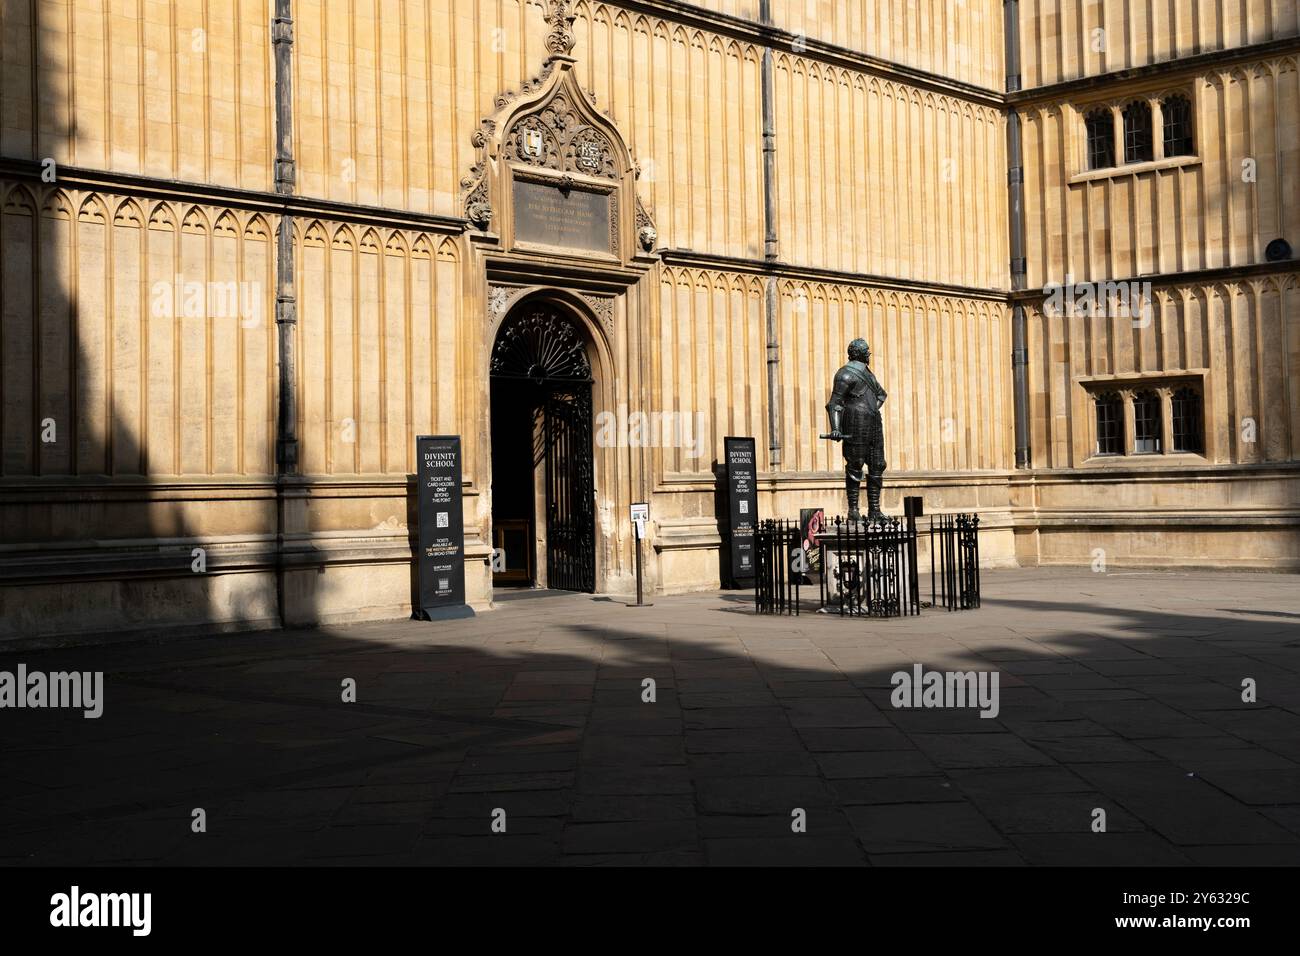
(248, 257)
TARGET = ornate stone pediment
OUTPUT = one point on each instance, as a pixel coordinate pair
(550, 155)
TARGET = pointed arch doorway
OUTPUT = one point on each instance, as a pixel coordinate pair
(543, 479)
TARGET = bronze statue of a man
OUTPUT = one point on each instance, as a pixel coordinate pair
(854, 411)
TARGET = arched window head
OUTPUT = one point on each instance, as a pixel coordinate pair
(1137, 132)
(1177, 113)
(1101, 139)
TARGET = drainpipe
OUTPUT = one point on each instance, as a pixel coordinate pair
(771, 249)
(1016, 207)
(286, 303)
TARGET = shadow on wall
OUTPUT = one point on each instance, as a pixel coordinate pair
(722, 515)
(137, 483)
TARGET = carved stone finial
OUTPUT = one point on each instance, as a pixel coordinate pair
(560, 41)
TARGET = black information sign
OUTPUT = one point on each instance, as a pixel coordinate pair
(442, 524)
(742, 490)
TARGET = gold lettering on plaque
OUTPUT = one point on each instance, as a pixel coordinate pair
(549, 215)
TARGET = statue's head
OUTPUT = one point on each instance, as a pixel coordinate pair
(859, 350)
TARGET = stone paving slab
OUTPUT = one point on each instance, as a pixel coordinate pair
(770, 741)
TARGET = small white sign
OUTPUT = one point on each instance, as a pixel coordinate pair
(444, 519)
(640, 512)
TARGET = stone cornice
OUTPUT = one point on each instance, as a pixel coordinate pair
(94, 488)
(783, 270)
(1169, 474)
(151, 187)
(1167, 280)
(1164, 70)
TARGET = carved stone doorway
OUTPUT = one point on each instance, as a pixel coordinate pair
(543, 487)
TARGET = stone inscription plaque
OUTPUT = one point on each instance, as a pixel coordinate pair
(545, 214)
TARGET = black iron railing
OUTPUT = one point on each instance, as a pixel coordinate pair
(854, 569)
(955, 562)
(870, 570)
(779, 563)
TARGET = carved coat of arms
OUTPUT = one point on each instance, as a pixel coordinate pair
(532, 143)
(588, 156)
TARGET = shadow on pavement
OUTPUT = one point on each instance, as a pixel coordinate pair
(1120, 695)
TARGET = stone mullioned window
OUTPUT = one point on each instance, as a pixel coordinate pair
(1142, 418)
(1143, 129)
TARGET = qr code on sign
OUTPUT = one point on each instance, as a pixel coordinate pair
(444, 584)
(443, 519)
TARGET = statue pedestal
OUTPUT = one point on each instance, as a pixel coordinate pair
(869, 568)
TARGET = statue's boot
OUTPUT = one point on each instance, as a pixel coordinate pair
(853, 485)
(875, 484)
(854, 514)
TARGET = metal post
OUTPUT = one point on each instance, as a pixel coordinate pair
(1016, 223)
(286, 302)
(636, 547)
(636, 534)
(794, 543)
(771, 240)
(932, 581)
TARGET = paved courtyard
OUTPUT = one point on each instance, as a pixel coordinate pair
(1119, 692)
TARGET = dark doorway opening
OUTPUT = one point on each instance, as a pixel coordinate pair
(514, 462)
(543, 484)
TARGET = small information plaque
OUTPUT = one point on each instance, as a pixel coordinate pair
(640, 514)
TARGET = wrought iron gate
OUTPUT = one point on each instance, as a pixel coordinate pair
(542, 347)
(570, 491)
